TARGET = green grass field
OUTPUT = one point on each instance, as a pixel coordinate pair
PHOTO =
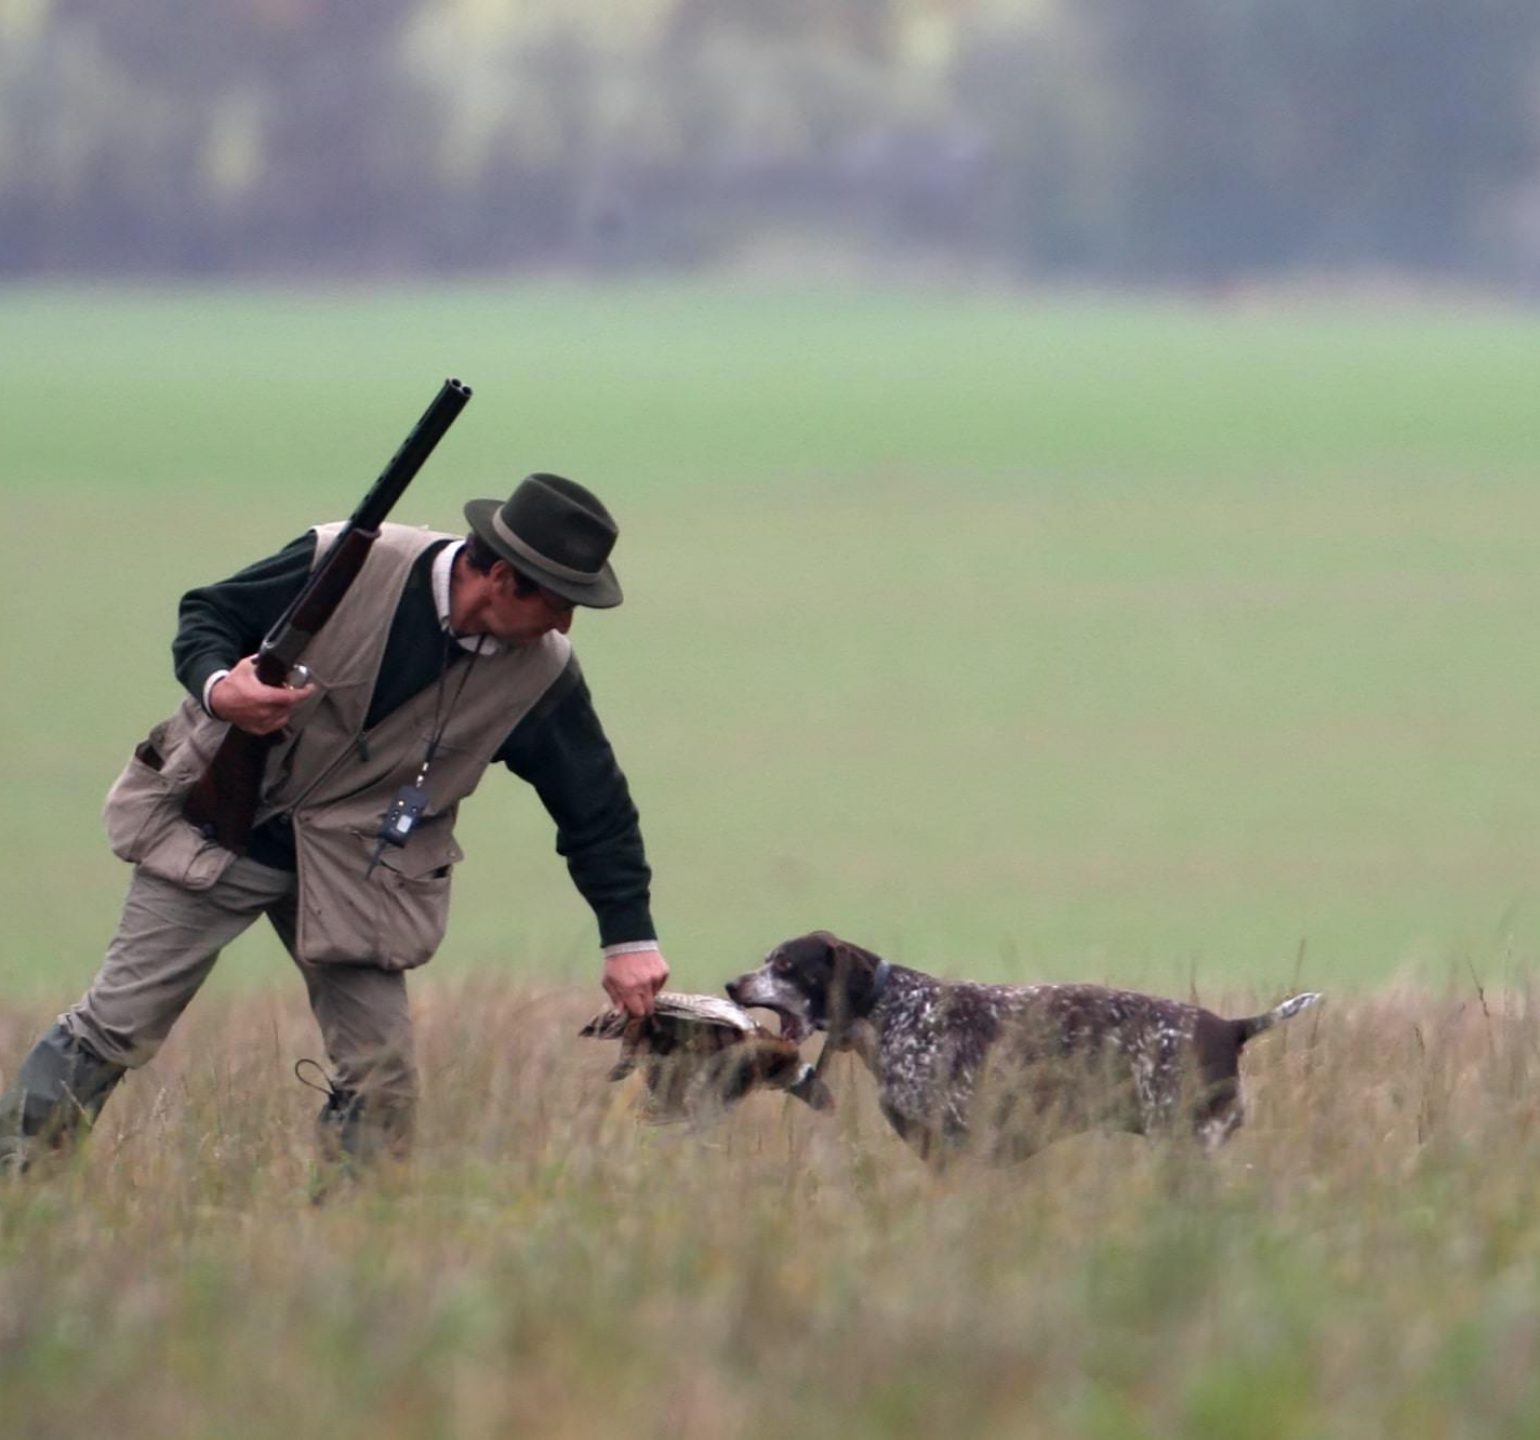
(1135, 641)
(1363, 1260)
(1187, 647)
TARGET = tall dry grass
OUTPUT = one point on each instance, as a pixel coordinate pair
(1363, 1259)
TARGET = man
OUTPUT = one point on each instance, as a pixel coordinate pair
(445, 656)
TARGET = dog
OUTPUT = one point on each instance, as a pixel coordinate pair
(1003, 1069)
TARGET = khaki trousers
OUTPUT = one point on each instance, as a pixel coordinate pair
(167, 942)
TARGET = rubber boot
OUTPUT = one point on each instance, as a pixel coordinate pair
(58, 1093)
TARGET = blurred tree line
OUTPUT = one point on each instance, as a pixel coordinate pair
(1186, 140)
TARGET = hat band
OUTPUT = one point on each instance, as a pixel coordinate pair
(528, 552)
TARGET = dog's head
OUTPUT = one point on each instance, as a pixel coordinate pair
(815, 982)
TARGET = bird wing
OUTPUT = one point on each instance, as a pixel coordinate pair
(679, 1011)
(708, 1010)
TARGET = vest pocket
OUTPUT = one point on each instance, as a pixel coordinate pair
(393, 916)
(137, 795)
(143, 815)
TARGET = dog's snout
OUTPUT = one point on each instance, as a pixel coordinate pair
(732, 987)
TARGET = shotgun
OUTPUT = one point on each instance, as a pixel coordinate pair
(223, 803)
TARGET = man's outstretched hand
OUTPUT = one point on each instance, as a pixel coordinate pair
(633, 977)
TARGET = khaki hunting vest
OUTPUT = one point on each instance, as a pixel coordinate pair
(335, 779)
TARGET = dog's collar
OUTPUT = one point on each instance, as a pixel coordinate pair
(880, 977)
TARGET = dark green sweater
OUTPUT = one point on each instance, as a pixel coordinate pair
(559, 747)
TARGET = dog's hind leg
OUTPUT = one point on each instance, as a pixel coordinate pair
(1218, 1113)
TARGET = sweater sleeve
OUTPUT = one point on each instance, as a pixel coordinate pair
(561, 750)
(221, 623)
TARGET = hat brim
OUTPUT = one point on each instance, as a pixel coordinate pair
(601, 593)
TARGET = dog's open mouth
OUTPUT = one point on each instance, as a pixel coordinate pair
(793, 1027)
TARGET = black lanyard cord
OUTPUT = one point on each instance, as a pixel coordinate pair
(436, 735)
(411, 801)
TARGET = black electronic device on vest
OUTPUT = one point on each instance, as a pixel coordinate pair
(397, 822)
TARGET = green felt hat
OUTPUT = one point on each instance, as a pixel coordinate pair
(555, 532)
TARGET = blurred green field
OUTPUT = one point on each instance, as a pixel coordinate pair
(1156, 642)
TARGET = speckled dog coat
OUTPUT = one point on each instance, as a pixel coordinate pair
(1011, 1067)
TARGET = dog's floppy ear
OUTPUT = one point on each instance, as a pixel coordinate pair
(853, 987)
(808, 963)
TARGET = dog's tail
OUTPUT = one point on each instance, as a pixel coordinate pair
(1256, 1024)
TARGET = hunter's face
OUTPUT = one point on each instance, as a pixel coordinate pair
(519, 619)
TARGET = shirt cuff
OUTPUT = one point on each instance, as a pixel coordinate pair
(629, 947)
(626, 921)
(208, 685)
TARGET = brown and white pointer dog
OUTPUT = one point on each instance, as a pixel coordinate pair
(1003, 1069)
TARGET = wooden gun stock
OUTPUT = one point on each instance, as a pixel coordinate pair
(224, 801)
